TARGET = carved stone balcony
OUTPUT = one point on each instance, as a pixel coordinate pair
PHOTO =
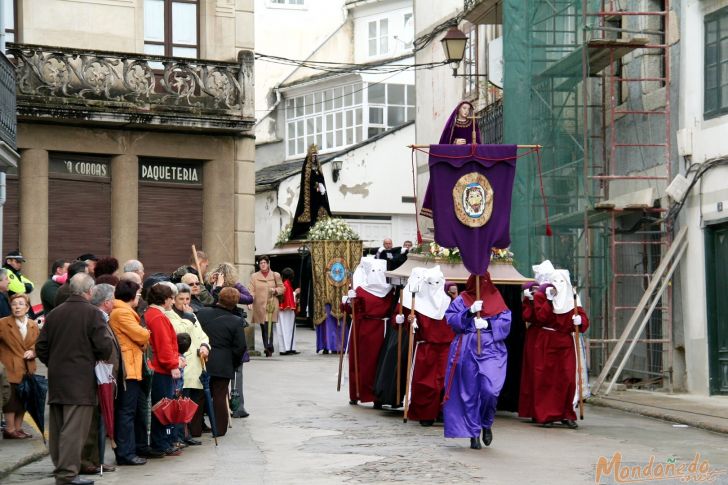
(59, 85)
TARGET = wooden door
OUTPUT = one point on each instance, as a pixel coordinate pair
(716, 256)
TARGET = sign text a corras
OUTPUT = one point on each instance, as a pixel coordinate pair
(166, 171)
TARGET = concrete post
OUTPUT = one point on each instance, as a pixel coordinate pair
(124, 207)
(218, 210)
(33, 188)
(245, 206)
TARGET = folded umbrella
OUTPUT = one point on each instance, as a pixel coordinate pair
(185, 409)
(205, 379)
(163, 411)
(32, 391)
(106, 390)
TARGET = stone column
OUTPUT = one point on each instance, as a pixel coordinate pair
(218, 210)
(33, 188)
(245, 206)
(124, 207)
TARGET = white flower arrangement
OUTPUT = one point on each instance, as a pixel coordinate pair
(285, 235)
(452, 255)
(332, 229)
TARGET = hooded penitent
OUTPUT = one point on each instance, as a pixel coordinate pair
(493, 303)
(370, 276)
(430, 297)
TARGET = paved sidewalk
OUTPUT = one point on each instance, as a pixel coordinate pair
(17, 453)
(706, 412)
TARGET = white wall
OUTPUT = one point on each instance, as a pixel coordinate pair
(708, 141)
(438, 92)
(291, 32)
(372, 181)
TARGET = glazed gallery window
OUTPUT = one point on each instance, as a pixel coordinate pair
(331, 119)
(345, 115)
(389, 105)
(286, 2)
(470, 62)
(171, 28)
(716, 64)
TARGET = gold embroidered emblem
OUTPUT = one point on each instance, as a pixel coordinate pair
(473, 199)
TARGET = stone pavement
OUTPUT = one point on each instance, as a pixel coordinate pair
(706, 412)
(17, 453)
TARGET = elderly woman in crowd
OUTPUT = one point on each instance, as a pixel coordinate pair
(223, 324)
(184, 321)
(165, 363)
(4, 299)
(265, 286)
(125, 323)
(18, 335)
(193, 281)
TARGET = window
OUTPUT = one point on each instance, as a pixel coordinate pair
(470, 62)
(378, 37)
(388, 106)
(9, 15)
(345, 115)
(171, 28)
(716, 64)
(408, 30)
(331, 119)
(286, 2)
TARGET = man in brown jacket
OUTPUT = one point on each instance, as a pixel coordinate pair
(73, 338)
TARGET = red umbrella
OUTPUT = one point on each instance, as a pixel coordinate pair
(186, 409)
(174, 411)
(106, 389)
(163, 410)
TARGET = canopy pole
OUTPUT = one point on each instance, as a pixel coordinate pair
(531, 147)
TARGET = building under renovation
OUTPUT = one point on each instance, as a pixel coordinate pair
(594, 82)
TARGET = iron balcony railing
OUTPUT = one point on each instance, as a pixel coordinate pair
(8, 120)
(490, 123)
(62, 83)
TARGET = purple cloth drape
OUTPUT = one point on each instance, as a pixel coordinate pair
(328, 333)
(474, 384)
(448, 163)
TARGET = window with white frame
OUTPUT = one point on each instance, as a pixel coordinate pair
(408, 30)
(345, 115)
(378, 37)
(470, 62)
(331, 119)
(388, 106)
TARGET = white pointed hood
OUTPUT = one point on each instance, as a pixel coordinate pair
(429, 287)
(564, 300)
(543, 271)
(370, 276)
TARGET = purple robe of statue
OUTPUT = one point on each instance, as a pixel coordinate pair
(328, 333)
(473, 382)
(453, 132)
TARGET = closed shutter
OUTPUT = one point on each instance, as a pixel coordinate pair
(11, 216)
(79, 218)
(170, 222)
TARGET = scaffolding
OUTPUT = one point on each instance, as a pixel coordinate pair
(596, 93)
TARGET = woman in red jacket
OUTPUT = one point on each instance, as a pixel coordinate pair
(165, 362)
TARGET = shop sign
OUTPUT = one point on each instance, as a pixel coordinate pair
(85, 167)
(170, 172)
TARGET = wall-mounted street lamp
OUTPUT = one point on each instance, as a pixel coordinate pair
(454, 44)
(336, 169)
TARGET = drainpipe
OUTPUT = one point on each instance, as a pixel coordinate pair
(3, 195)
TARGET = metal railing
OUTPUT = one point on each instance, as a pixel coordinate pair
(8, 121)
(490, 123)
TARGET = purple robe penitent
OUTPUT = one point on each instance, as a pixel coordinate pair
(473, 382)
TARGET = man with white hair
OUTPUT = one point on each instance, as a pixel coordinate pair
(73, 338)
(371, 301)
(134, 266)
